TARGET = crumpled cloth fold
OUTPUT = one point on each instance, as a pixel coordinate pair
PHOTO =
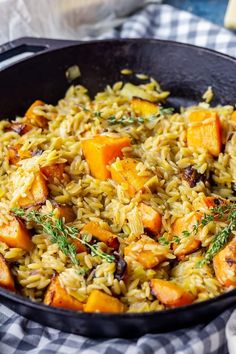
(63, 19)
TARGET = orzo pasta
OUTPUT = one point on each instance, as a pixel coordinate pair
(118, 203)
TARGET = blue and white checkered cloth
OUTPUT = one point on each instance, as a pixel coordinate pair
(19, 335)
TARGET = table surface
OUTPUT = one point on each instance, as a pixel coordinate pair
(212, 10)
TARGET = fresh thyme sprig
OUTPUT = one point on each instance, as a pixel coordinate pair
(96, 252)
(55, 228)
(126, 120)
(227, 212)
(220, 239)
(60, 233)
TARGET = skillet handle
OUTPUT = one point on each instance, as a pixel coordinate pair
(28, 46)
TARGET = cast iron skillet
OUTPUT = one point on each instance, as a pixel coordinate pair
(184, 70)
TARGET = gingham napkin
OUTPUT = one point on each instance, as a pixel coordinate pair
(19, 335)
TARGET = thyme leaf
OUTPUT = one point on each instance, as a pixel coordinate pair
(163, 241)
(126, 120)
(166, 111)
(96, 252)
(186, 233)
(176, 239)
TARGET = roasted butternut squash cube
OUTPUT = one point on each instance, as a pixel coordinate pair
(224, 263)
(98, 301)
(214, 202)
(37, 193)
(57, 296)
(12, 155)
(15, 234)
(100, 151)
(151, 218)
(103, 235)
(147, 252)
(6, 278)
(19, 128)
(144, 108)
(64, 211)
(124, 172)
(80, 248)
(205, 131)
(15, 154)
(233, 116)
(33, 118)
(183, 228)
(170, 294)
(53, 173)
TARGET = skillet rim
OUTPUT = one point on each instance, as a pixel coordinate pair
(21, 300)
(69, 44)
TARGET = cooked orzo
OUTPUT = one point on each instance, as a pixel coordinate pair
(118, 203)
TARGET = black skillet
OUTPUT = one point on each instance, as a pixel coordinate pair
(185, 70)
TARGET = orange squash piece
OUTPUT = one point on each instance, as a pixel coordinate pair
(80, 248)
(203, 134)
(214, 202)
(15, 234)
(144, 108)
(192, 243)
(53, 173)
(98, 301)
(233, 116)
(146, 251)
(57, 296)
(170, 294)
(37, 194)
(64, 211)
(19, 128)
(224, 263)
(101, 234)
(124, 172)
(14, 154)
(6, 278)
(100, 151)
(151, 218)
(33, 118)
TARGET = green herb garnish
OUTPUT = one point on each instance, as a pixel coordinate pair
(55, 228)
(126, 120)
(163, 241)
(223, 236)
(228, 212)
(61, 234)
(96, 252)
(86, 110)
(176, 239)
(195, 227)
(165, 111)
(206, 219)
(186, 233)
